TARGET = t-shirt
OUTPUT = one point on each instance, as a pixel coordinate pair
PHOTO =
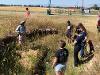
(69, 27)
(27, 13)
(21, 29)
(83, 34)
(79, 39)
(62, 56)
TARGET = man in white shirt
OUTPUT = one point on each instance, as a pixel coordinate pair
(21, 30)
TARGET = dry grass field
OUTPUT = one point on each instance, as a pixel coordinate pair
(19, 8)
(8, 24)
(44, 10)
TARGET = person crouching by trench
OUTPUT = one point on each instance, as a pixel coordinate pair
(21, 30)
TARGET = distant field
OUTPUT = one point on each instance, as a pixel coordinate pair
(19, 8)
(44, 10)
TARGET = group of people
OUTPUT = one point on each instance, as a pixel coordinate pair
(79, 39)
(21, 28)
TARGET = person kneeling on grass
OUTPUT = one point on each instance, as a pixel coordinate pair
(91, 46)
(21, 30)
(61, 57)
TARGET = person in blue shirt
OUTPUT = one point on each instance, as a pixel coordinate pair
(77, 48)
(84, 38)
(79, 43)
(21, 30)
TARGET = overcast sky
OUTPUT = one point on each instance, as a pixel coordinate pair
(54, 2)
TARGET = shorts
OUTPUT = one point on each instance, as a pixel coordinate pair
(60, 67)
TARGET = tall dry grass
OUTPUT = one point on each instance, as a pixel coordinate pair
(21, 8)
(8, 24)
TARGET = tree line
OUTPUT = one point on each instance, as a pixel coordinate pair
(95, 6)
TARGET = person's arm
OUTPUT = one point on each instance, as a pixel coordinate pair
(54, 62)
(85, 37)
(75, 42)
(17, 29)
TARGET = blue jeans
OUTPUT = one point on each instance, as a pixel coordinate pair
(77, 48)
(82, 50)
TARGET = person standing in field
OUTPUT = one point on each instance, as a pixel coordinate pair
(27, 14)
(84, 38)
(21, 30)
(61, 58)
(77, 48)
(69, 31)
(98, 22)
(98, 25)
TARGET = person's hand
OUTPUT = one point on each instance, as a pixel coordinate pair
(53, 66)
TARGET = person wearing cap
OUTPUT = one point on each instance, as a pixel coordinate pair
(61, 58)
(21, 30)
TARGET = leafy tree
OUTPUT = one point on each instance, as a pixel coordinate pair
(95, 6)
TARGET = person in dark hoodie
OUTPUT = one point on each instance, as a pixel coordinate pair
(61, 58)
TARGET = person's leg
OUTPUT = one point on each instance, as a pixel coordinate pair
(76, 59)
(90, 50)
(59, 73)
(23, 38)
(75, 56)
(82, 51)
(70, 40)
(20, 39)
